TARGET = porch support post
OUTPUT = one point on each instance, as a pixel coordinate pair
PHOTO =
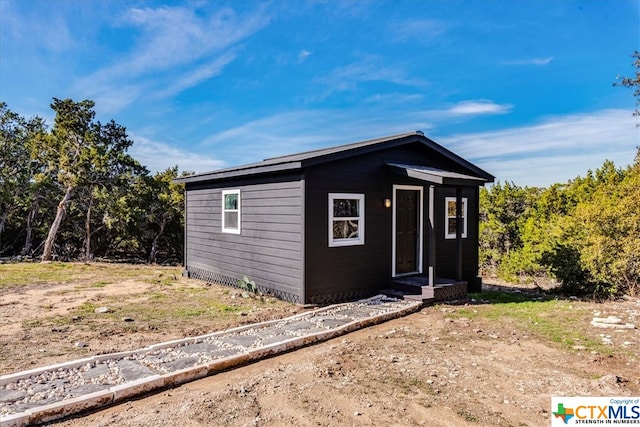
(459, 224)
(432, 237)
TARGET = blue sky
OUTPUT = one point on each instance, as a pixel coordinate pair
(521, 88)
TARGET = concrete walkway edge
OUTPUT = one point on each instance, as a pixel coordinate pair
(121, 392)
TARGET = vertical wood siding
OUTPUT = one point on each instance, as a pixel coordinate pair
(268, 250)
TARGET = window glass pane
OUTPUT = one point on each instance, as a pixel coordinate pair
(452, 226)
(231, 220)
(231, 201)
(346, 208)
(451, 208)
(345, 229)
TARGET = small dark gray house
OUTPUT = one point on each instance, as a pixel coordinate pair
(339, 223)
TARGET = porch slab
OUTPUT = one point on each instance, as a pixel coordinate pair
(417, 288)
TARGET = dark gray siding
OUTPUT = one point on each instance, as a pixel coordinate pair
(269, 249)
(284, 242)
(344, 272)
(446, 253)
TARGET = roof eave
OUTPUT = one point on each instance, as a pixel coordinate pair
(460, 160)
(238, 172)
(435, 178)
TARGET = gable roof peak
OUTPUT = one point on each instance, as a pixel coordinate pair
(308, 158)
(340, 148)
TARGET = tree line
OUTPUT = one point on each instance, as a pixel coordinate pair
(73, 192)
(584, 234)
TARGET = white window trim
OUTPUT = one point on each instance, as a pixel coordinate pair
(346, 242)
(226, 229)
(465, 203)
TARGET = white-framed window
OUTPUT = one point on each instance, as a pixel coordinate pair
(346, 219)
(451, 222)
(231, 211)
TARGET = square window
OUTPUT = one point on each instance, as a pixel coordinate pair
(231, 211)
(346, 219)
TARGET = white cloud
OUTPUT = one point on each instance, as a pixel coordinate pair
(158, 156)
(303, 55)
(554, 150)
(391, 99)
(173, 41)
(529, 61)
(29, 30)
(177, 35)
(303, 130)
(371, 68)
(418, 29)
(478, 107)
(200, 74)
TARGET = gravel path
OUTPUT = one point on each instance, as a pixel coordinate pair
(56, 391)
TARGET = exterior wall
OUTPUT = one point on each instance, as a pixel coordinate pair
(346, 272)
(339, 273)
(269, 249)
(446, 249)
(283, 245)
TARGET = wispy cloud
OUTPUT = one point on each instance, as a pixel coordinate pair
(418, 29)
(554, 150)
(200, 74)
(176, 35)
(158, 156)
(302, 130)
(26, 27)
(172, 41)
(529, 61)
(478, 107)
(368, 69)
(303, 55)
(394, 98)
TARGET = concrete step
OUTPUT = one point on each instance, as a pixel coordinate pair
(417, 288)
(424, 295)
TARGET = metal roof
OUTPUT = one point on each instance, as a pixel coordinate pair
(308, 158)
(435, 175)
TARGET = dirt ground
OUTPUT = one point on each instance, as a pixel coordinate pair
(47, 323)
(437, 367)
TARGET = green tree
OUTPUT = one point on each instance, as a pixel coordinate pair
(20, 170)
(165, 210)
(112, 169)
(504, 209)
(14, 158)
(608, 227)
(84, 154)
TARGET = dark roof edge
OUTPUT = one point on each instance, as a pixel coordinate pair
(322, 155)
(246, 170)
(453, 156)
(345, 147)
(287, 162)
(435, 175)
